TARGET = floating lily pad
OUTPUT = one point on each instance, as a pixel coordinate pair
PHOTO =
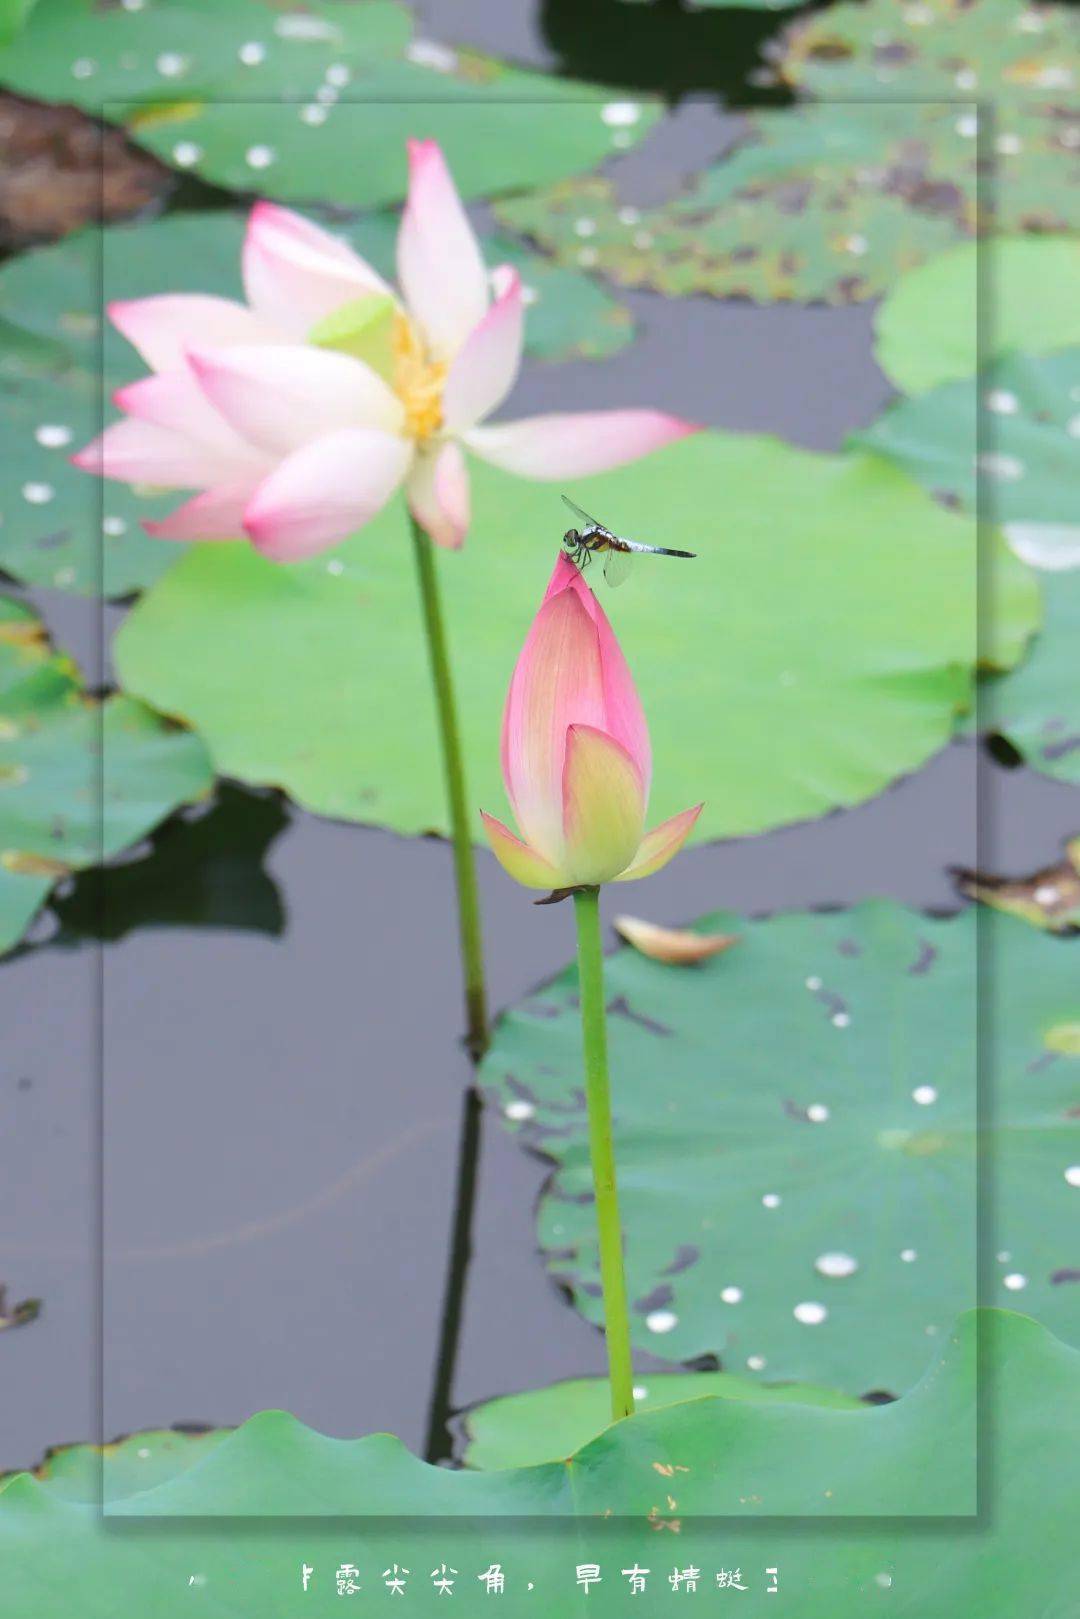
(140, 1461)
(927, 331)
(817, 203)
(794, 1134)
(823, 639)
(1027, 465)
(79, 781)
(260, 99)
(920, 49)
(1015, 1562)
(1037, 708)
(68, 531)
(541, 1425)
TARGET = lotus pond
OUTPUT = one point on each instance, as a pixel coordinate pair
(305, 1108)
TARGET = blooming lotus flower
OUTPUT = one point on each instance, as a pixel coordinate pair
(575, 754)
(298, 414)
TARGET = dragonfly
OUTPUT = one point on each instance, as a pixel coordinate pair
(593, 539)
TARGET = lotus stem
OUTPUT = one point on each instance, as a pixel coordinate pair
(601, 1151)
(472, 950)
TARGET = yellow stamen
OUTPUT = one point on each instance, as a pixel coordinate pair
(418, 381)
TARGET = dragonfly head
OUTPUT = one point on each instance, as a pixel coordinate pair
(571, 538)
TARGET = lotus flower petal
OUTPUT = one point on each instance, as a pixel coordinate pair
(216, 514)
(440, 266)
(558, 682)
(174, 399)
(574, 444)
(660, 845)
(523, 863)
(141, 452)
(438, 494)
(164, 326)
(488, 362)
(603, 806)
(324, 491)
(280, 398)
(295, 274)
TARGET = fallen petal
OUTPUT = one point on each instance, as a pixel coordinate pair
(676, 946)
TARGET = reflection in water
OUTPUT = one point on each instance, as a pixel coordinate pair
(203, 868)
(666, 47)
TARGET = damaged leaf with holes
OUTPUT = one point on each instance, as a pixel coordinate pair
(80, 781)
(798, 1190)
(1024, 57)
(814, 204)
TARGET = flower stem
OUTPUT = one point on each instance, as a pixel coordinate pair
(472, 952)
(594, 1031)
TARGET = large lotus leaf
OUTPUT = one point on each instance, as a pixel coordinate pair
(541, 1425)
(820, 644)
(1038, 708)
(79, 781)
(68, 531)
(1029, 438)
(1016, 1560)
(816, 203)
(926, 328)
(897, 48)
(795, 1138)
(700, 1457)
(140, 1461)
(254, 98)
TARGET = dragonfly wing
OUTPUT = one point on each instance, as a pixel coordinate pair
(617, 566)
(582, 515)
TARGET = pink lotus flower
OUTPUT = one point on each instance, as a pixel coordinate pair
(299, 414)
(575, 753)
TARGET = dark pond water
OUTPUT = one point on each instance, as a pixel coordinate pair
(267, 1038)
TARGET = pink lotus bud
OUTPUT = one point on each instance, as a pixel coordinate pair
(575, 753)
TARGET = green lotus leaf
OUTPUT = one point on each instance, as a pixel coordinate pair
(541, 1425)
(895, 48)
(794, 1130)
(314, 677)
(1027, 462)
(1016, 1560)
(926, 328)
(79, 781)
(69, 531)
(1037, 708)
(815, 203)
(254, 97)
(140, 1461)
